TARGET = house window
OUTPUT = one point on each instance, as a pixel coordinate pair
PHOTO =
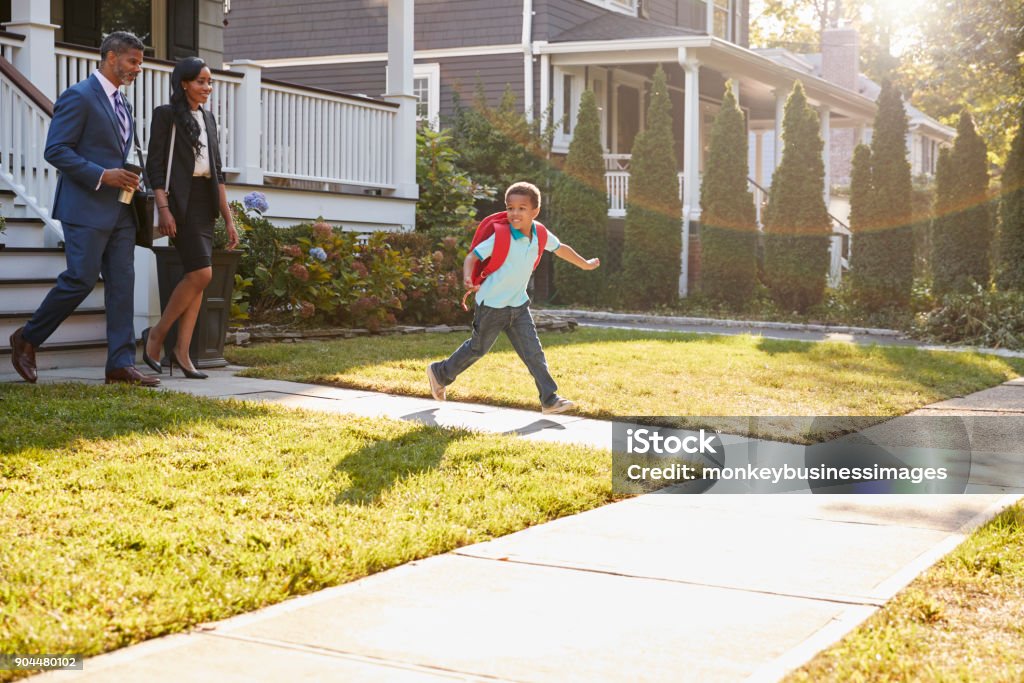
(623, 6)
(426, 86)
(568, 88)
(722, 15)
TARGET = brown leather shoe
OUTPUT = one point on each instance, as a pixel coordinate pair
(23, 357)
(130, 375)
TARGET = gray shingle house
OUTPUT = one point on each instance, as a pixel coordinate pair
(548, 52)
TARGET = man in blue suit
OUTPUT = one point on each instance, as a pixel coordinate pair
(88, 142)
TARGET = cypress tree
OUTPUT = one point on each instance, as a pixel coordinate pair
(728, 215)
(1011, 232)
(962, 231)
(580, 205)
(863, 248)
(886, 268)
(651, 254)
(945, 254)
(796, 223)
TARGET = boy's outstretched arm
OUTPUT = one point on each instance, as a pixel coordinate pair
(567, 253)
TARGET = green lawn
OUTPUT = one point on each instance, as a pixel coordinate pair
(612, 373)
(129, 514)
(962, 620)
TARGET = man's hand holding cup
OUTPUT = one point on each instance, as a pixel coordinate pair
(126, 178)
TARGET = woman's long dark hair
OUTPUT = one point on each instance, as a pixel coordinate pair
(186, 70)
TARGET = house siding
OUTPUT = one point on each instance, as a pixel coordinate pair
(458, 74)
(557, 16)
(268, 29)
(211, 32)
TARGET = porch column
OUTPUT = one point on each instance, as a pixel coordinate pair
(826, 156)
(399, 90)
(250, 121)
(691, 158)
(35, 58)
(759, 157)
(545, 88)
(528, 59)
(780, 114)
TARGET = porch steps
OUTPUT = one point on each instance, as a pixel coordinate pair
(23, 232)
(84, 326)
(52, 356)
(18, 263)
(27, 273)
(19, 294)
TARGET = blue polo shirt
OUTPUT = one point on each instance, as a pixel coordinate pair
(507, 285)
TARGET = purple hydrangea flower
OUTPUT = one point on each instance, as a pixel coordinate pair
(318, 253)
(256, 201)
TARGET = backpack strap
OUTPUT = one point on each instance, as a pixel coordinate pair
(542, 241)
(502, 241)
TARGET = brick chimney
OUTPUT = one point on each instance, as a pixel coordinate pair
(840, 56)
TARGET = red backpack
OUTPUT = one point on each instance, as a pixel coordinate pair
(497, 224)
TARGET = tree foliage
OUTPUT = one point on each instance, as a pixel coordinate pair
(971, 54)
(651, 254)
(1011, 230)
(962, 230)
(883, 246)
(498, 146)
(955, 54)
(446, 193)
(580, 207)
(728, 216)
(796, 221)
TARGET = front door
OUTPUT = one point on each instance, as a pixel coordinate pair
(182, 29)
(86, 22)
(627, 119)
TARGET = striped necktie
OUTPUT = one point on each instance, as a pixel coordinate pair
(122, 117)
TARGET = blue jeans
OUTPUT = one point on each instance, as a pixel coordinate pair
(517, 323)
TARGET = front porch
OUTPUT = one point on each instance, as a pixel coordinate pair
(315, 153)
(697, 68)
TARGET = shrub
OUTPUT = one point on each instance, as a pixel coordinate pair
(651, 253)
(498, 146)
(962, 229)
(1011, 231)
(981, 317)
(883, 246)
(580, 207)
(796, 221)
(728, 215)
(447, 194)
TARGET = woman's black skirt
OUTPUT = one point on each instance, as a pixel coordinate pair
(195, 234)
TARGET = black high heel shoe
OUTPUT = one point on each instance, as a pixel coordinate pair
(191, 374)
(146, 357)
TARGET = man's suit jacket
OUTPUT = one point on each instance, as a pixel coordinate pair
(183, 162)
(85, 139)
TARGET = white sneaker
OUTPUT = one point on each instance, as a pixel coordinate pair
(437, 390)
(562, 405)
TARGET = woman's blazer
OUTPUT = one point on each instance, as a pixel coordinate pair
(183, 162)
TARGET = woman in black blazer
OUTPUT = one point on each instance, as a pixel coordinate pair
(188, 206)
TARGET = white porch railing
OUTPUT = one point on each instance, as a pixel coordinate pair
(153, 88)
(9, 44)
(616, 181)
(326, 137)
(292, 132)
(23, 126)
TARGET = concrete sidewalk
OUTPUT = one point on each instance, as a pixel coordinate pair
(656, 587)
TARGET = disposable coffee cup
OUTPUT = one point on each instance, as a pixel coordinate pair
(126, 195)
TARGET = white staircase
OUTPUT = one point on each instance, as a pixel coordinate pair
(28, 270)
